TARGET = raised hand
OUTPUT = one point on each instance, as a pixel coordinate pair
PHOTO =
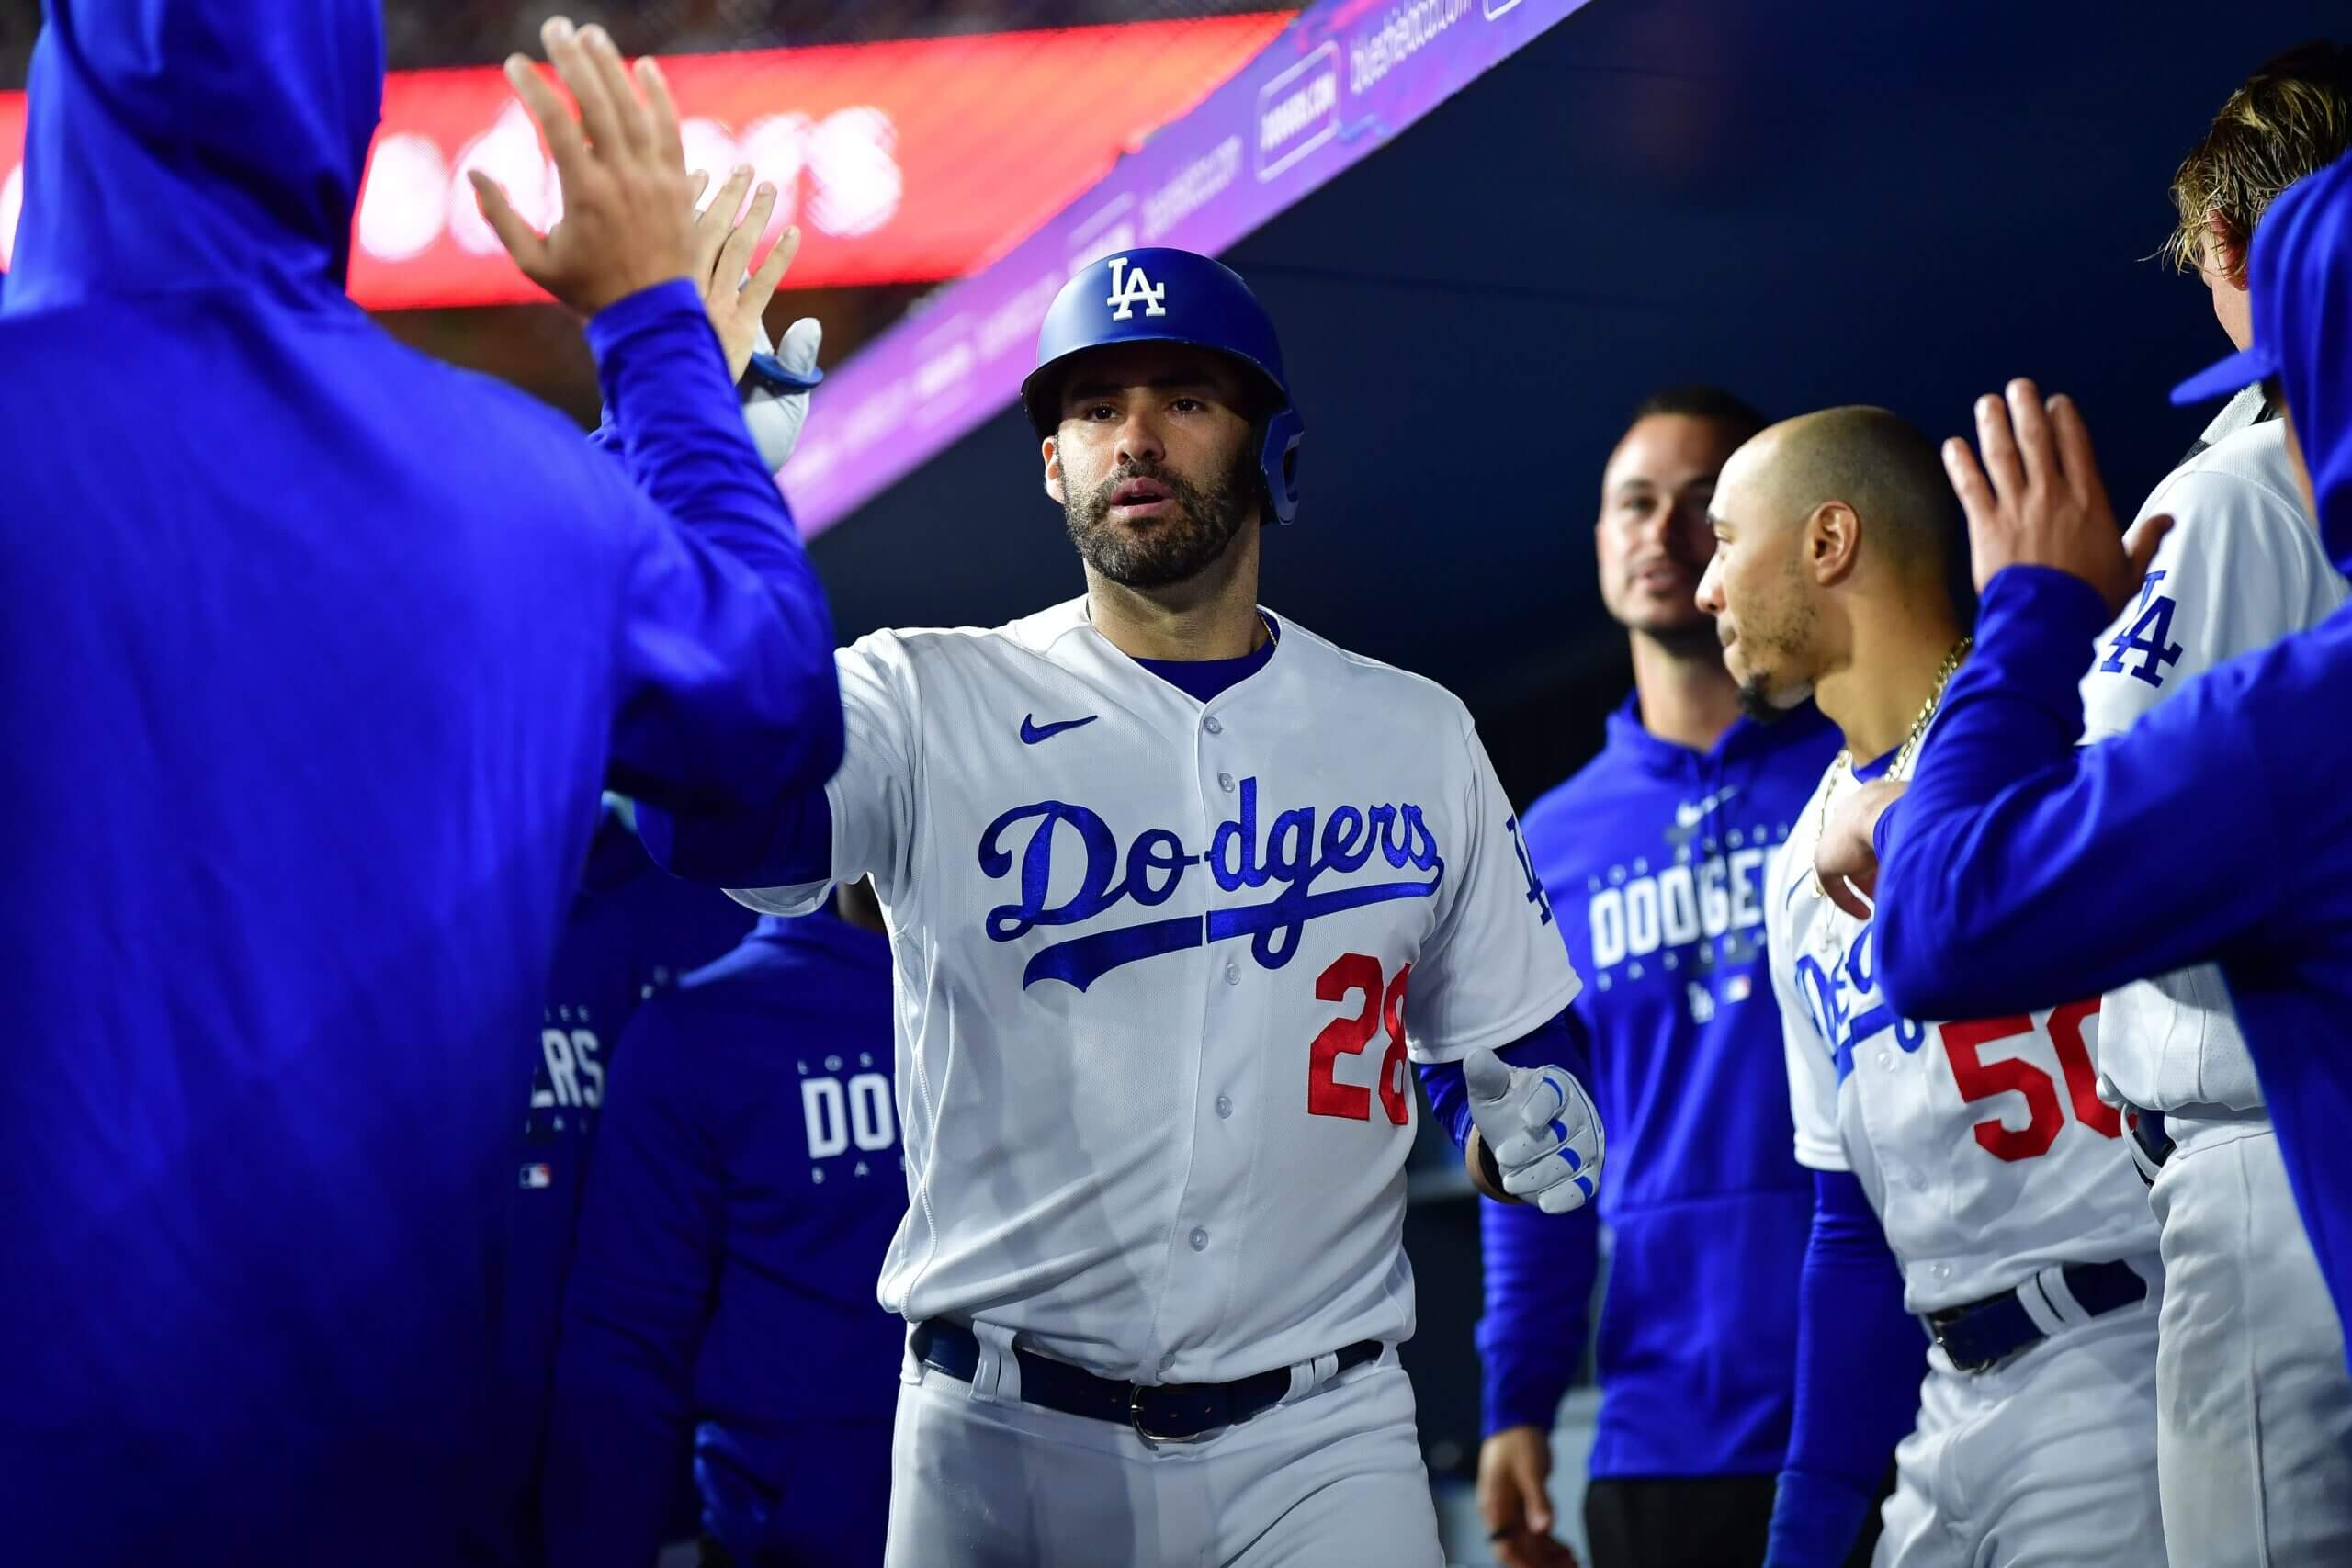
(627, 218)
(2037, 500)
(723, 256)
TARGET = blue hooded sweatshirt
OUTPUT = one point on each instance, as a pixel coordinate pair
(746, 1187)
(1655, 857)
(2018, 871)
(632, 931)
(313, 655)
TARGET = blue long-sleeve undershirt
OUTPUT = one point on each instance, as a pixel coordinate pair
(1558, 1043)
(1859, 1362)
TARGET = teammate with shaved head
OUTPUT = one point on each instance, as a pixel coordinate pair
(1655, 852)
(1978, 1151)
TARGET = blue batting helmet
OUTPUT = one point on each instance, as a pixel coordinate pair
(1157, 295)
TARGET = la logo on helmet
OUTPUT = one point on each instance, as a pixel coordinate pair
(1129, 289)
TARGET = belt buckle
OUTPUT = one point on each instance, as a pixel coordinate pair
(1951, 1317)
(1135, 1418)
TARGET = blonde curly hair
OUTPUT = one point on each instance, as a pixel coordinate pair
(2292, 118)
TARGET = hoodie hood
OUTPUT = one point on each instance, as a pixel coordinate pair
(182, 144)
(2311, 274)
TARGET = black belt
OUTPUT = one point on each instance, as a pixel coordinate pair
(1161, 1412)
(1983, 1334)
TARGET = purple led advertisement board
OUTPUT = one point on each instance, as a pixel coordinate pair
(1337, 84)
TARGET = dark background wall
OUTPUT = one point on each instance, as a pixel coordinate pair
(1832, 201)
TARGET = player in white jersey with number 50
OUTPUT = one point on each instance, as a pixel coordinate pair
(1175, 890)
(2000, 1181)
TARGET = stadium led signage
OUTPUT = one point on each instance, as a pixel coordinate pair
(901, 161)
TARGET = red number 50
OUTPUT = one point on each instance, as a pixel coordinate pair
(1980, 1079)
(1384, 1005)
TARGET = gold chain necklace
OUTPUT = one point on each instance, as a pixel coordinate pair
(1843, 768)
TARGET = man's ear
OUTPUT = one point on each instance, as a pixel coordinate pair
(2224, 245)
(1051, 448)
(1833, 541)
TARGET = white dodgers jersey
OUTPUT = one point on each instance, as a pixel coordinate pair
(1983, 1145)
(1160, 965)
(2241, 568)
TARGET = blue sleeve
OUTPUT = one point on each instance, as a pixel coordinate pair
(727, 695)
(786, 844)
(1560, 1042)
(2020, 871)
(635, 1308)
(1540, 1270)
(1859, 1362)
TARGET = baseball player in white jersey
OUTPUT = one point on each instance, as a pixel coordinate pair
(1161, 873)
(2001, 1180)
(2253, 1423)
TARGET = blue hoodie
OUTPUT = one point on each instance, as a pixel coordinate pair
(746, 1187)
(1654, 854)
(312, 655)
(632, 931)
(2018, 871)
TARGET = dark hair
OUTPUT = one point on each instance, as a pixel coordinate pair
(1700, 402)
(2292, 118)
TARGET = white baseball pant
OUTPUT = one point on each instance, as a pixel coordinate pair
(2048, 1461)
(1331, 1478)
(2253, 1407)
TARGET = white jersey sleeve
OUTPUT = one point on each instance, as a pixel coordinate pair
(871, 797)
(1811, 1055)
(2242, 568)
(1496, 967)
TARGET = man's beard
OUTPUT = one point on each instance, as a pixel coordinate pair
(1755, 702)
(1788, 642)
(1764, 700)
(1174, 547)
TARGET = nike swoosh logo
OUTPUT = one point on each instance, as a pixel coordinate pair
(1032, 731)
(1688, 815)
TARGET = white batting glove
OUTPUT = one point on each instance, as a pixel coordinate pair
(1541, 1127)
(775, 419)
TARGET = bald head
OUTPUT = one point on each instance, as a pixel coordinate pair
(1821, 523)
(1877, 464)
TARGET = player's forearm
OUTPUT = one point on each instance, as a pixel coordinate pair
(1539, 1271)
(681, 433)
(787, 843)
(621, 1417)
(2020, 871)
(1860, 1361)
(727, 692)
(1560, 1042)
(610, 1486)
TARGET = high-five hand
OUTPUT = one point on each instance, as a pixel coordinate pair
(735, 293)
(2037, 500)
(627, 218)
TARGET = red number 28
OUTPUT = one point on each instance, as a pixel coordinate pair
(1384, 1007)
